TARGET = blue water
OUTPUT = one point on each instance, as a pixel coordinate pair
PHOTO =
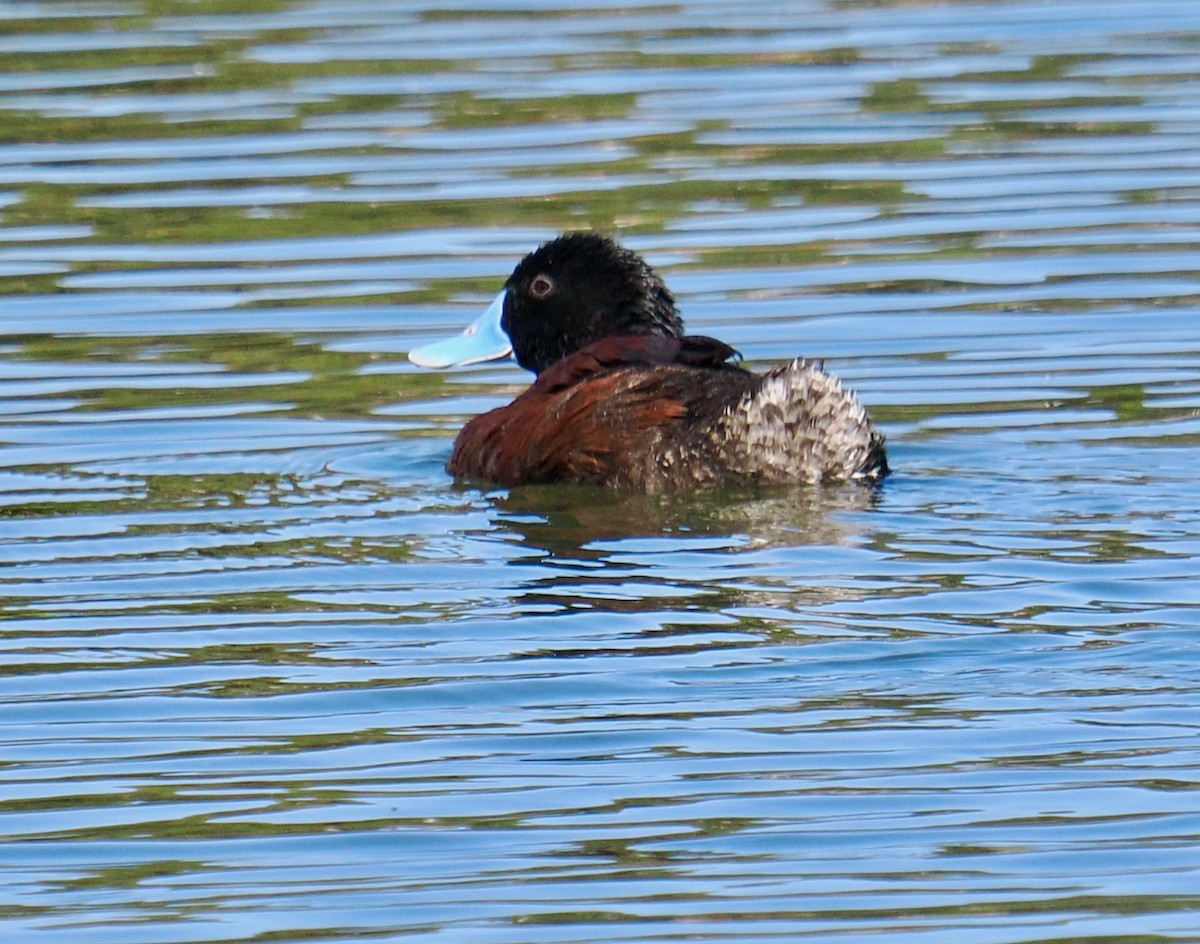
(268, 674)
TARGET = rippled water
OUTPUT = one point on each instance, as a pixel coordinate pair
(269, 675)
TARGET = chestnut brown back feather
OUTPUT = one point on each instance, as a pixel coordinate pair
(584, 432)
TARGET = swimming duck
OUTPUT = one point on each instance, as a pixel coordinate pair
(624, 398)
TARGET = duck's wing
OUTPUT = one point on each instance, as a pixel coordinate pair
(633, 350)
(621, 411)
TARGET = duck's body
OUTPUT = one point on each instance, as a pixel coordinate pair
(624, 399)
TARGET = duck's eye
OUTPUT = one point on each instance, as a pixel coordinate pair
(541, 286)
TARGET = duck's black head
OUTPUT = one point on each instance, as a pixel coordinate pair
(578, 289)
(565, 295)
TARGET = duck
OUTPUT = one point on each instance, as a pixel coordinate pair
(624, 398)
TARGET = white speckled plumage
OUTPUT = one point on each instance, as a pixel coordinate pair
(799, 424)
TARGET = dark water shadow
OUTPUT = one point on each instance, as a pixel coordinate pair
(581, 521)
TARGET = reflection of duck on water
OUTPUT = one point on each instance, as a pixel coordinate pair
(581, 523)
(675, 557)
(623, 398)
